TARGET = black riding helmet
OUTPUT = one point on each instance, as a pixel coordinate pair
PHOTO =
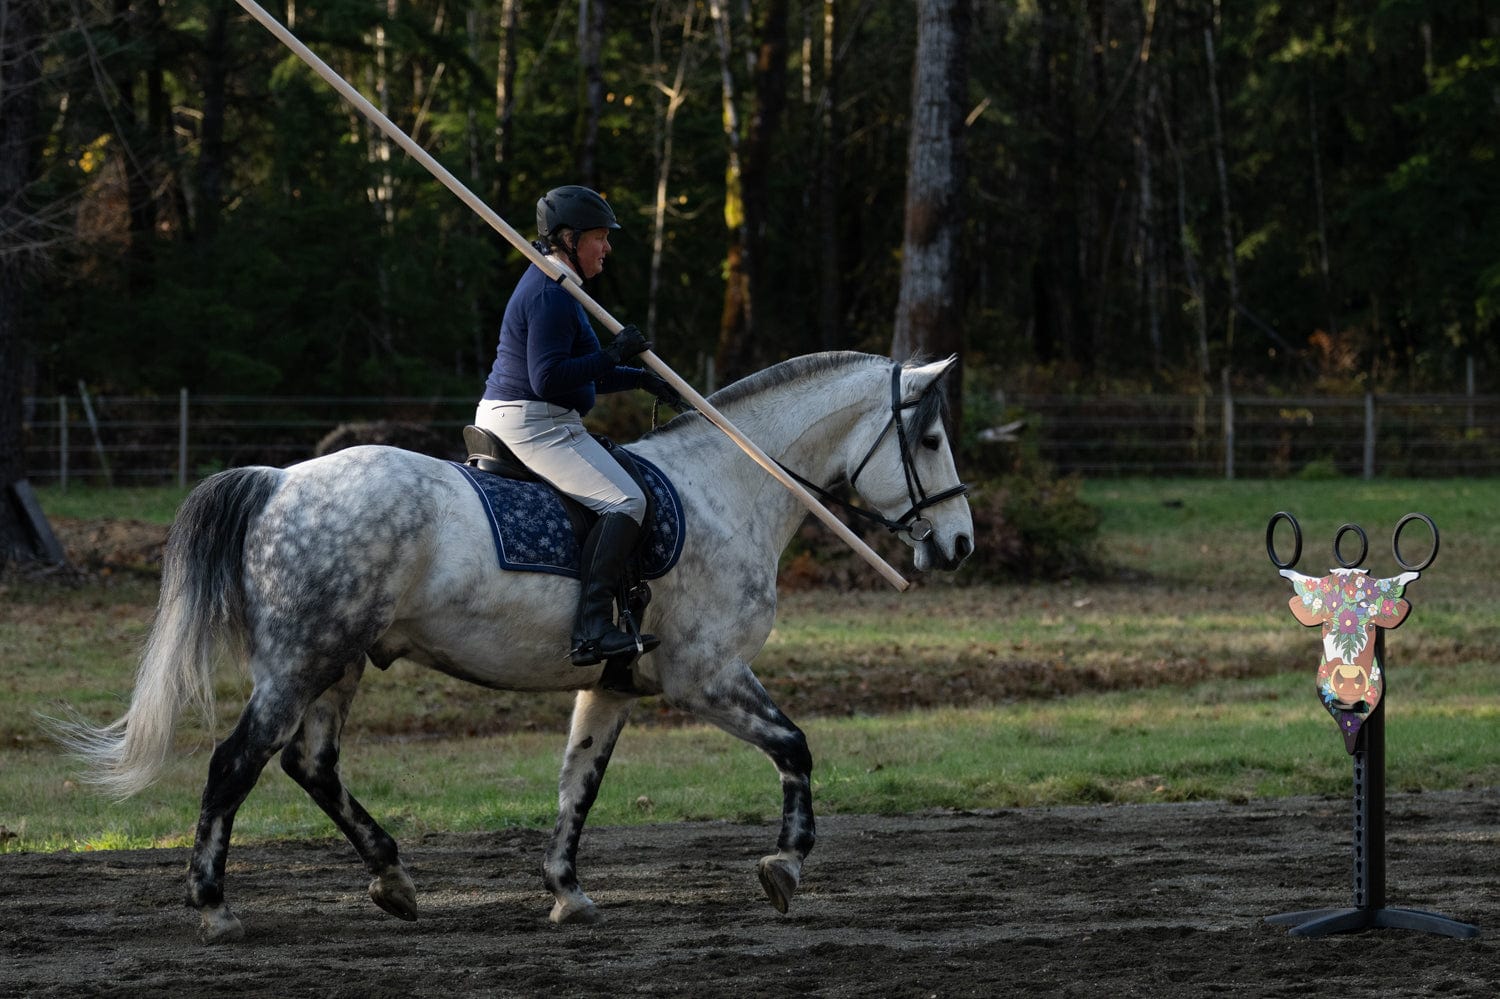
(572, 207)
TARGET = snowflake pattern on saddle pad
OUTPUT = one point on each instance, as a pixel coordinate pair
(533, 533)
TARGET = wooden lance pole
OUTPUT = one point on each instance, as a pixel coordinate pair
(553, 270)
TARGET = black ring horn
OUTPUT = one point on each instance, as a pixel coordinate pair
(1271, 539)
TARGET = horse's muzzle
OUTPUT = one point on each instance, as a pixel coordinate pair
(963, 547)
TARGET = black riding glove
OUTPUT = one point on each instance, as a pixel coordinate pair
(627, 343)
(663, 390)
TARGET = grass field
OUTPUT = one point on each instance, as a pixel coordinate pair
(1182, 677)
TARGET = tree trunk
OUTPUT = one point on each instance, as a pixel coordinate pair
(210, 194)
(1189, 258)
(1226, 218)
(770, 101)
(471, 224)
(829, 273)
(1145, 238)
(381, 193)
(129, 132)
(747, 188)
(505, 99)
(1317, 165)
(380, 144)
(590, 89)
(734, 320)
(165, 177)
(929, 312)
(20, 70)
(674, 96)
(1058, 306)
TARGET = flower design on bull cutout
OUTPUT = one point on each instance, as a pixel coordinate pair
(1350, 606)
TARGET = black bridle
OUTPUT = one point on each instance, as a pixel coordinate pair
(916, 527)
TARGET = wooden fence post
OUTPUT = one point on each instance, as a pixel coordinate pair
(1228, 428)
(88, 411)
(1469, 392)
(62, 442)
(182, 438)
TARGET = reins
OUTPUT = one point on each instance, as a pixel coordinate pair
(919, 528)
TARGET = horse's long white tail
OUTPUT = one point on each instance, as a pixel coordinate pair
(199, 617)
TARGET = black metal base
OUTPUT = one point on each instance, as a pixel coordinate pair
(1322, 922)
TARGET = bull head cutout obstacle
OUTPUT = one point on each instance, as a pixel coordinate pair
(1355, 611)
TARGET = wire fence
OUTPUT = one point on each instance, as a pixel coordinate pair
(151, 440)
(145, 440)
(1402, 436)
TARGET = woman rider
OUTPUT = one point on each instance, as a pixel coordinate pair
(548, 367)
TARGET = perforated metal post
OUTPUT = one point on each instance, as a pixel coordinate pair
(1369, 808)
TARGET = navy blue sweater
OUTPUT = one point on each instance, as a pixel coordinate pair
(548, 352)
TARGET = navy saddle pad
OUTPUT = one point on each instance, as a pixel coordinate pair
(533, 533)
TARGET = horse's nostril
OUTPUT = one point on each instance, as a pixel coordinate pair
(962, 546)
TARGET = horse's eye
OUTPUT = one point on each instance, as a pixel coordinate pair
(932, 442)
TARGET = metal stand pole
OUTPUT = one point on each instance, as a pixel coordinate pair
(1369, 910)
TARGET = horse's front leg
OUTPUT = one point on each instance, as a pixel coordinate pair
(739, 705)
(598, 717)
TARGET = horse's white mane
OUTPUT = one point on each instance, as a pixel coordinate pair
(783, 373)
(792, 370)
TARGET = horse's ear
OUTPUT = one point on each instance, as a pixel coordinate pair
(919, 376)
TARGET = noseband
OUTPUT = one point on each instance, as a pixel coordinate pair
(916, 527)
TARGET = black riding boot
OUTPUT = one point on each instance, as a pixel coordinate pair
(602, 564)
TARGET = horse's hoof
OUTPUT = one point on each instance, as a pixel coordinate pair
(585, 913)
(778, 879)
(220, 926)
(395, 893)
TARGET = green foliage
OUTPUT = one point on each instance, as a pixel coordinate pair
(1318, 470)
(1032, 525)
(1409, 215)
(1358, 143)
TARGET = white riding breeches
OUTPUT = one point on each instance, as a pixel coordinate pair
(552, 442)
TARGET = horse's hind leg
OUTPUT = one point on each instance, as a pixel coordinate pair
(312, 760)
(268, 721)
(598, 717)
(742, 708)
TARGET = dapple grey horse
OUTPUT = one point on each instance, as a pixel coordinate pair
(373, 554)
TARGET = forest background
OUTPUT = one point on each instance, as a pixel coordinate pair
(1139, 195)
